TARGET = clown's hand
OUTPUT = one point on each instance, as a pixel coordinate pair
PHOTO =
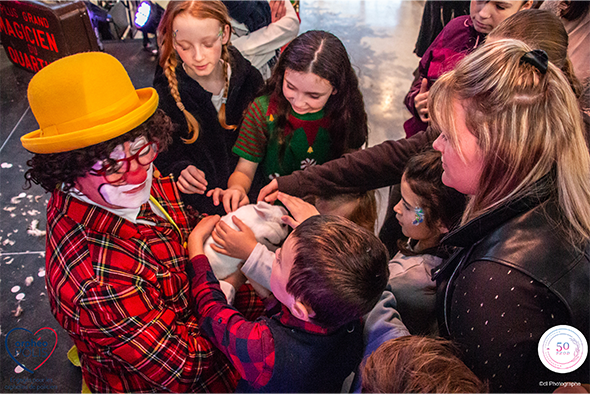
(192, 181)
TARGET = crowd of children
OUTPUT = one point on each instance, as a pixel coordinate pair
(498, 214)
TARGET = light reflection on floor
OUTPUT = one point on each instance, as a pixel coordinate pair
(379, 36)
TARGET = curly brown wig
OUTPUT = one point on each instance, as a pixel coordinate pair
(64, 168)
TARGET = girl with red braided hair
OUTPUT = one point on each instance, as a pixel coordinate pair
(205, 85)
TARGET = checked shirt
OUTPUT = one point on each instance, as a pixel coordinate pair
(249, 345)
(120, 290)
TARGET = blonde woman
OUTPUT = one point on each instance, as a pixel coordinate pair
(511, 139)
(205, 85)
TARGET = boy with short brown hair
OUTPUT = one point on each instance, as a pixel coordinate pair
(328, 274)
(418, 364)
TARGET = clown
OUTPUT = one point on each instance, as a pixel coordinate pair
(116, 259)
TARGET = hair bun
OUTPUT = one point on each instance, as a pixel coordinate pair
(537, 58)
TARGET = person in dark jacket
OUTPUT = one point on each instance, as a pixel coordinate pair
(512, 139)
(205, 93)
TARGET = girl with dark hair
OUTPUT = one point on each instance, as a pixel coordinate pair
(426, 212)
(311, 111)
(205, 85)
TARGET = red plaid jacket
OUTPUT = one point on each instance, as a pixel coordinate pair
(121, 292)
(249, 345)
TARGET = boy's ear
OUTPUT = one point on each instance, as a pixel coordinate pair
(301, 311)
(527, 5)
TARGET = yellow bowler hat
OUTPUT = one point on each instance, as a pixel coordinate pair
(82, 100)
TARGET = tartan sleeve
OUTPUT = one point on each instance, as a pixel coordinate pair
(124, 312)
(248, 345)
(253, 137)
(149, 343)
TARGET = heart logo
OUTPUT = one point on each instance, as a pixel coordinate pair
(31, 349)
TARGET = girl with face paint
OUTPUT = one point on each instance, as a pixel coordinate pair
(205, 85)
(426, 212)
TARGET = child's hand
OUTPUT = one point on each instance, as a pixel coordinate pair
(299, 209)
(238, 244)
(192, 180)
(269, 192)
(232, 198)
(237, 279)
(277, 10)
(421, 101)
(200, 233)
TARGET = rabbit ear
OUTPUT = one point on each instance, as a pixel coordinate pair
(261, 212)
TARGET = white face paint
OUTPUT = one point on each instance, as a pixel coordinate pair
(128, 196)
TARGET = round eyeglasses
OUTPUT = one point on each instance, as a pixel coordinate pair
(114, 170)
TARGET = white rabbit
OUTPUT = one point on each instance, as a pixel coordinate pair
(265, 222)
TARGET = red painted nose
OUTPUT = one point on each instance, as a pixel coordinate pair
(136, 175)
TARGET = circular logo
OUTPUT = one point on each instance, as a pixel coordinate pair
(563, 349)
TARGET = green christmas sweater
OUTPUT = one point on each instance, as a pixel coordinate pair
(307, 135)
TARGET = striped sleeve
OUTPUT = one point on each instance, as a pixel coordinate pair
(253, 137)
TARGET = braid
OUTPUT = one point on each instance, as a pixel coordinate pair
(568, 71)
(193, 125)
(221, 114)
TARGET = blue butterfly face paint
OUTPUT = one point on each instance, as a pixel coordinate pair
(419, 216)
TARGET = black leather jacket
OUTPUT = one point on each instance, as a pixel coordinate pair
(522, 235)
